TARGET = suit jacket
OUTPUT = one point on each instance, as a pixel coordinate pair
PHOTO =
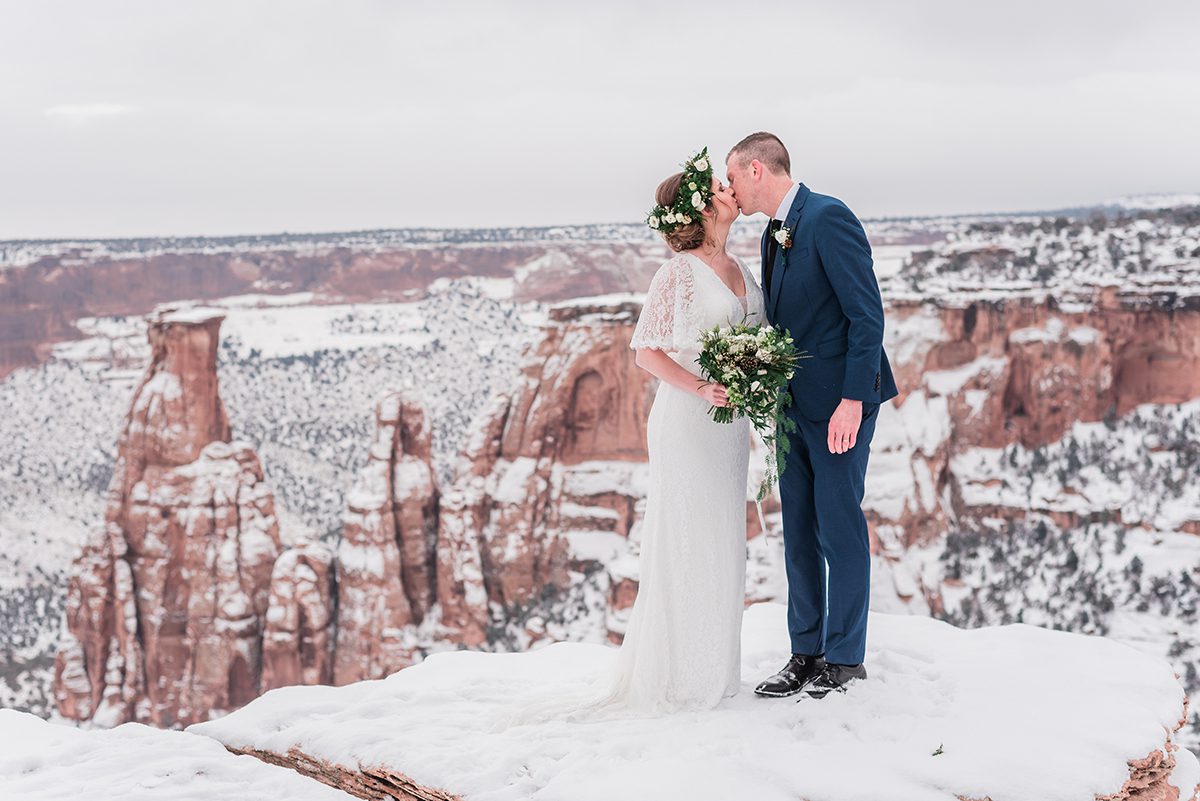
(824, 292)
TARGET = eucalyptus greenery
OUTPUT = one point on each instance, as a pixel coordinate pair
(754, 363)
(695, 191)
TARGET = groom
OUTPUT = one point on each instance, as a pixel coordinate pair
(819, 283)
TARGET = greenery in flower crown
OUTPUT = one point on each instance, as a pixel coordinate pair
(695, 190)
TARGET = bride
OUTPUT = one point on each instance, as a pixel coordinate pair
(682, 645)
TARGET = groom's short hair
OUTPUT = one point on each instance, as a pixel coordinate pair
(767, 148)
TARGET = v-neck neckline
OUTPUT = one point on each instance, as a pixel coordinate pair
(713, 273)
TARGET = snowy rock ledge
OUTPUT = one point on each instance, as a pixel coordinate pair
(41, 761)
(1014, 712)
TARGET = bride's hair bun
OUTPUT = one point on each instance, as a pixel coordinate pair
(683, 236)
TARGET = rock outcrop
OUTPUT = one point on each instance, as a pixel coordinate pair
(1017, 371)
(299, 635)
(167, 600)
(187, 603)
(554, 468)
(387, 554)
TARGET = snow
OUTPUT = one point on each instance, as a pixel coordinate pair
(1018, 712)
(512, 486)
(281, 331)
(949, 382)
(595, 477)
(911, 335)
(597, 546)
(890, 259)
(360, 559)
(41, 761)
(162, 385)
(188, 315)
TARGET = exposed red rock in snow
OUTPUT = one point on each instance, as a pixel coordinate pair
(1022, 370)
(166, 603)
(560, 453)
(386, 557)
(299, 634)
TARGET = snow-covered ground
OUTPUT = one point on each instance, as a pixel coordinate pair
(41, 761)
(1016, 712)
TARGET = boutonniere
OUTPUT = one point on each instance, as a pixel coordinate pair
(784, 237)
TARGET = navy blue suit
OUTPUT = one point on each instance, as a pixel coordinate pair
(823, 290)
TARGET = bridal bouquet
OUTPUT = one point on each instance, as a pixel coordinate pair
(754, 362)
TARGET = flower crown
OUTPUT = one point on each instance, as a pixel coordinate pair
(695, 190)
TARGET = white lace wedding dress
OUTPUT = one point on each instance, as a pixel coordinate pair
(682, 645)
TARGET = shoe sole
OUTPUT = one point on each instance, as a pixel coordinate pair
(769, 694)
(838, 689)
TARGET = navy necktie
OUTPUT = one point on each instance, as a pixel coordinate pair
(772, 248)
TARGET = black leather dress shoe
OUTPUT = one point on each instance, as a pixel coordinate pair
(834, 678)
(793, 678)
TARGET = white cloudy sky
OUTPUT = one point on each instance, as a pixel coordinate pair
(213, 117)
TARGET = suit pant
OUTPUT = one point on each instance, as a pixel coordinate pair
(825, 537)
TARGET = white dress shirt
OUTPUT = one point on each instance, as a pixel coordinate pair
(786, 204)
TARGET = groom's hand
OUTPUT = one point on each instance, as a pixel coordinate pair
(843, 426)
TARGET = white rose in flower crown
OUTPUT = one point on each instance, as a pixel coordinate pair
(653, 222)
(692, 186)
(686, 219)
(701, 165)
(671, 217)
(697, 201)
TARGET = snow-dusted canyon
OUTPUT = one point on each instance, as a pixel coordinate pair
(334, 458)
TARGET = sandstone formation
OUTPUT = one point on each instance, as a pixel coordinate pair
(299, 635)
(1022, 370)
(167, 600)
(386, 557)
(563, 453)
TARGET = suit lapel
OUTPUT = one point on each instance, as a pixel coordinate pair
(781, 253)
(762, 271)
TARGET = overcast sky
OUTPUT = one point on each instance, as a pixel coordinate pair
(161, 118)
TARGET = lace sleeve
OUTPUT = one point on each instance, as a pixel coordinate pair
(663, 319)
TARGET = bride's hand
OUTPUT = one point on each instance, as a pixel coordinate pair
(714, 394)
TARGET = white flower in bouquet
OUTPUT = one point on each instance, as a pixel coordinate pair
(736, 353)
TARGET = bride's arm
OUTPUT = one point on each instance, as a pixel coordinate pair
(659, 364)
